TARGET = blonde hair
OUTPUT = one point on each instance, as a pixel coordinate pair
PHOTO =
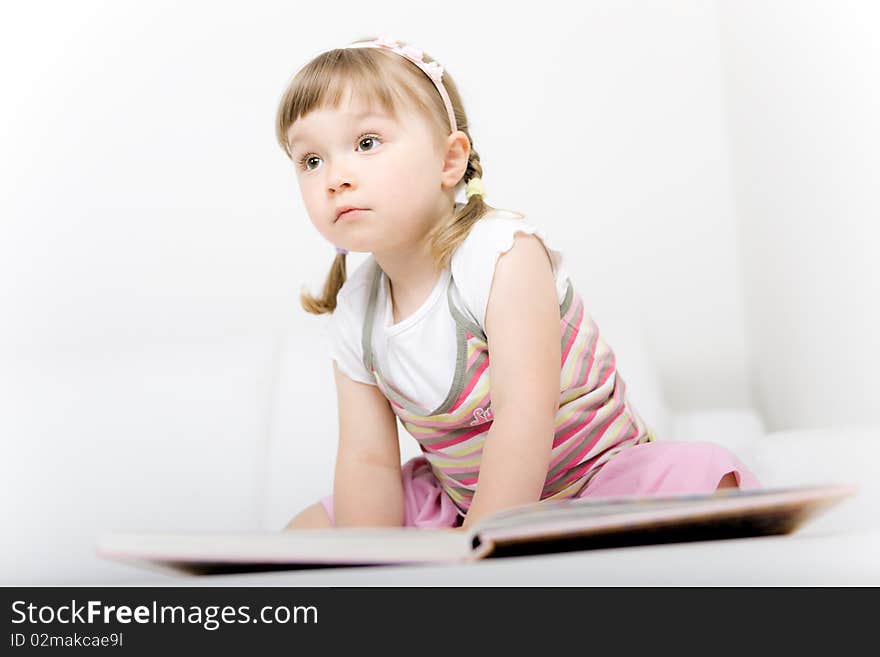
(390, 80)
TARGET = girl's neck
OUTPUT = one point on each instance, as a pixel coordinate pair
(411, 278)
(412, 272)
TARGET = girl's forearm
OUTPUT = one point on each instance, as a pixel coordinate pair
(515, 458)
(367, 495)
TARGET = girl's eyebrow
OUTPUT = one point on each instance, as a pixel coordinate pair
(353, 116)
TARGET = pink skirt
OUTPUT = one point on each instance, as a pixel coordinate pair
(658, 468)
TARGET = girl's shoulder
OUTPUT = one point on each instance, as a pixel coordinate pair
(494, 234)
(474, 260)
(491, 231)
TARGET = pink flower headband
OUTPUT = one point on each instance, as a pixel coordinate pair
(432, 69)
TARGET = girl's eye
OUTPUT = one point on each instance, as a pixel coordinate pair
(305, 159)
(369, 138)
(303, 162)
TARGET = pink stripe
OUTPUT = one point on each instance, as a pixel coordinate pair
(575, 418)
(615, 394)
(475, 353)
(619, 407)
(572, 337)
(612, 365)
(460, 470)
(470, 386)
(573, 308)
(580, 471)
(476, 431)
(586, 429)
(590, 358)
(443, 425)
(573, 426)
(593, 442)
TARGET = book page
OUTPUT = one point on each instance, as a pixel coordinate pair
(305, 547)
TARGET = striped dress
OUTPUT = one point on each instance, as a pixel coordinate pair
(594, 421)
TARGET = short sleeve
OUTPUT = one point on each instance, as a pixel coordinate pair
(473, 262)
(343, 331)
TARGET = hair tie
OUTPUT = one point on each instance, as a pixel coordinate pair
(342, 251)
(475, 187)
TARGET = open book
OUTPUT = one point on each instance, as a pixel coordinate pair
(543, 527)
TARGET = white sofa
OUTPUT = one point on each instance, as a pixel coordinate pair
(238, 433)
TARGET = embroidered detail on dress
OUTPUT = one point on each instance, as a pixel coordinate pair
(481, 416)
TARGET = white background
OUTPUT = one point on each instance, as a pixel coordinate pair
(709, 168)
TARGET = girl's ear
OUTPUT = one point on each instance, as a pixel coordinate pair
(455, 158)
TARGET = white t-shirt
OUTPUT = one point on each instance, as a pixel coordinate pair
(417, 355)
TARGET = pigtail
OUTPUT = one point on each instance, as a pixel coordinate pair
(326, 303)
(446, 237)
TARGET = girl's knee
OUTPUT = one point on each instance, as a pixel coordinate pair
(312, 517)
(728, 481)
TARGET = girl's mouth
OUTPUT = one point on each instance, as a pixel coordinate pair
(351, 214)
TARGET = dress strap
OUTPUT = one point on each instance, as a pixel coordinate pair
(367, 333)
(463, 317)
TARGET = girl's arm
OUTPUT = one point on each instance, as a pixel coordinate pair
(522, 328)
(367, 485)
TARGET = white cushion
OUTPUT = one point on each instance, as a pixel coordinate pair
(735, 429)
(626, 338)
(848, 455)
(164, 436)
(303, 426)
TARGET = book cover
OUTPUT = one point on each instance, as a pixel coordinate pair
(546, 527)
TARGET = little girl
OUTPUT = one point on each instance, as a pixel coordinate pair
(381, 144)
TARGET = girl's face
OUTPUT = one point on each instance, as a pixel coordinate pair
(359, 156)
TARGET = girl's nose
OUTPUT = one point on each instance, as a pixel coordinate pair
(338, 184)
(339, 176)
